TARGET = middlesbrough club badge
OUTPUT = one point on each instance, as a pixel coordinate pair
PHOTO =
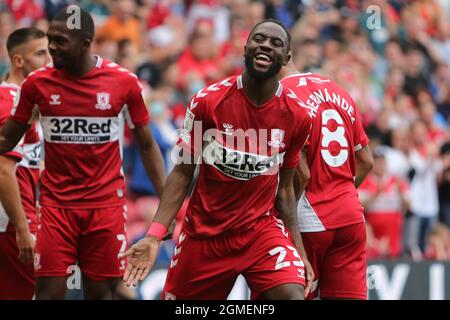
(103, 101)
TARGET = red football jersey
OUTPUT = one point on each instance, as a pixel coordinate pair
(330, 200)
(7, 94)
(241, 148)
(27, 171)
(82, 123)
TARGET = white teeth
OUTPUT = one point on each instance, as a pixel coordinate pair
(263, 57)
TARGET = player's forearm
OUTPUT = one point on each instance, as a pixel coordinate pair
(5, 145)
(10, 196)
(174, 194)
(10, 134)
(364, 163)
(154, 166)
(287, 209)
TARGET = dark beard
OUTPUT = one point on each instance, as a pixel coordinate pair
(273, 70)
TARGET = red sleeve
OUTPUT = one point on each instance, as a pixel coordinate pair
(190, 138)
(22, 111)
(135, 110)
(301, 135)
(360, 138)
(5, 110)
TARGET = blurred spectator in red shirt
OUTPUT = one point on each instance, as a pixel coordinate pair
(25, 12)
(198, 62)
(385, 197)
(231, 51)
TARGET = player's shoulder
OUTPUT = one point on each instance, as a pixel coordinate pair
(37, 75)
(8, 90)
(309, 79)
(116, 70)
(216, 92)
(294, 104)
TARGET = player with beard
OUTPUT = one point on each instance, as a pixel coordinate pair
(231, 225)
(27, 49)
(81, 100)
(330, 214)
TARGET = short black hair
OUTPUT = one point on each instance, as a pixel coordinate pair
(278, 23)
(21, 36)
(87, 27)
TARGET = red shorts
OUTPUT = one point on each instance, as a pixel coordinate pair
(91, 237)
(338, 258)
(27, 180)
(208, 268)
(16, 279)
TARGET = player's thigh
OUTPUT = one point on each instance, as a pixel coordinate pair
(344, 268)
(51, 288)
(56, 243)
(100, 290)
(198, 272)
(102, 238)
(16, 279)
(316, 246)
(271, 260)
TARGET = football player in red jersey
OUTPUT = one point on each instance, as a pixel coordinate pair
(231, 225)
(82, 101)
(27, 49)
(330, 214)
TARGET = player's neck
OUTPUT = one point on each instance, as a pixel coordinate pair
(15, 77)
(84, 66)
(259, 91)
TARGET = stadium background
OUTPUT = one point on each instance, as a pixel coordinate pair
(393, 56)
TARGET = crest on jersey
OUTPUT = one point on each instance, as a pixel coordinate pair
(55, 99)
(276, 138)
(103, 101)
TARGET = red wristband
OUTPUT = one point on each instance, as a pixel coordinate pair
(157, 230)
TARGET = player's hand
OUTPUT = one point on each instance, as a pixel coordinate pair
(25, 243)
(142, 256)
(309, 273)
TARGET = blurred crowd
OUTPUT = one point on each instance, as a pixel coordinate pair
(393, 56)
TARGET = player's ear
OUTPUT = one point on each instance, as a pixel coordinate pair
(86, 43)
(17, 60)
(288, 57)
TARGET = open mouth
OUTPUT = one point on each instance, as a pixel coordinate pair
(263, 59)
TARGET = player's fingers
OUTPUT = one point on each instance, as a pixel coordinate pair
(137, 277)
(21, 255)
(307, 289)
(28, 256)
(127, 253)
(144, 273)
(127, 272)
(132, 276)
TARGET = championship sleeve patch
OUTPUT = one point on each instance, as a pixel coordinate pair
(189, 120)
(15, 102)
(185, 135)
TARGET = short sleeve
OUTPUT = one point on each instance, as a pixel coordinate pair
(190, 139)
(135, 110)
(22, 111)
(6, 101)
(300, 138)
(360, 137)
